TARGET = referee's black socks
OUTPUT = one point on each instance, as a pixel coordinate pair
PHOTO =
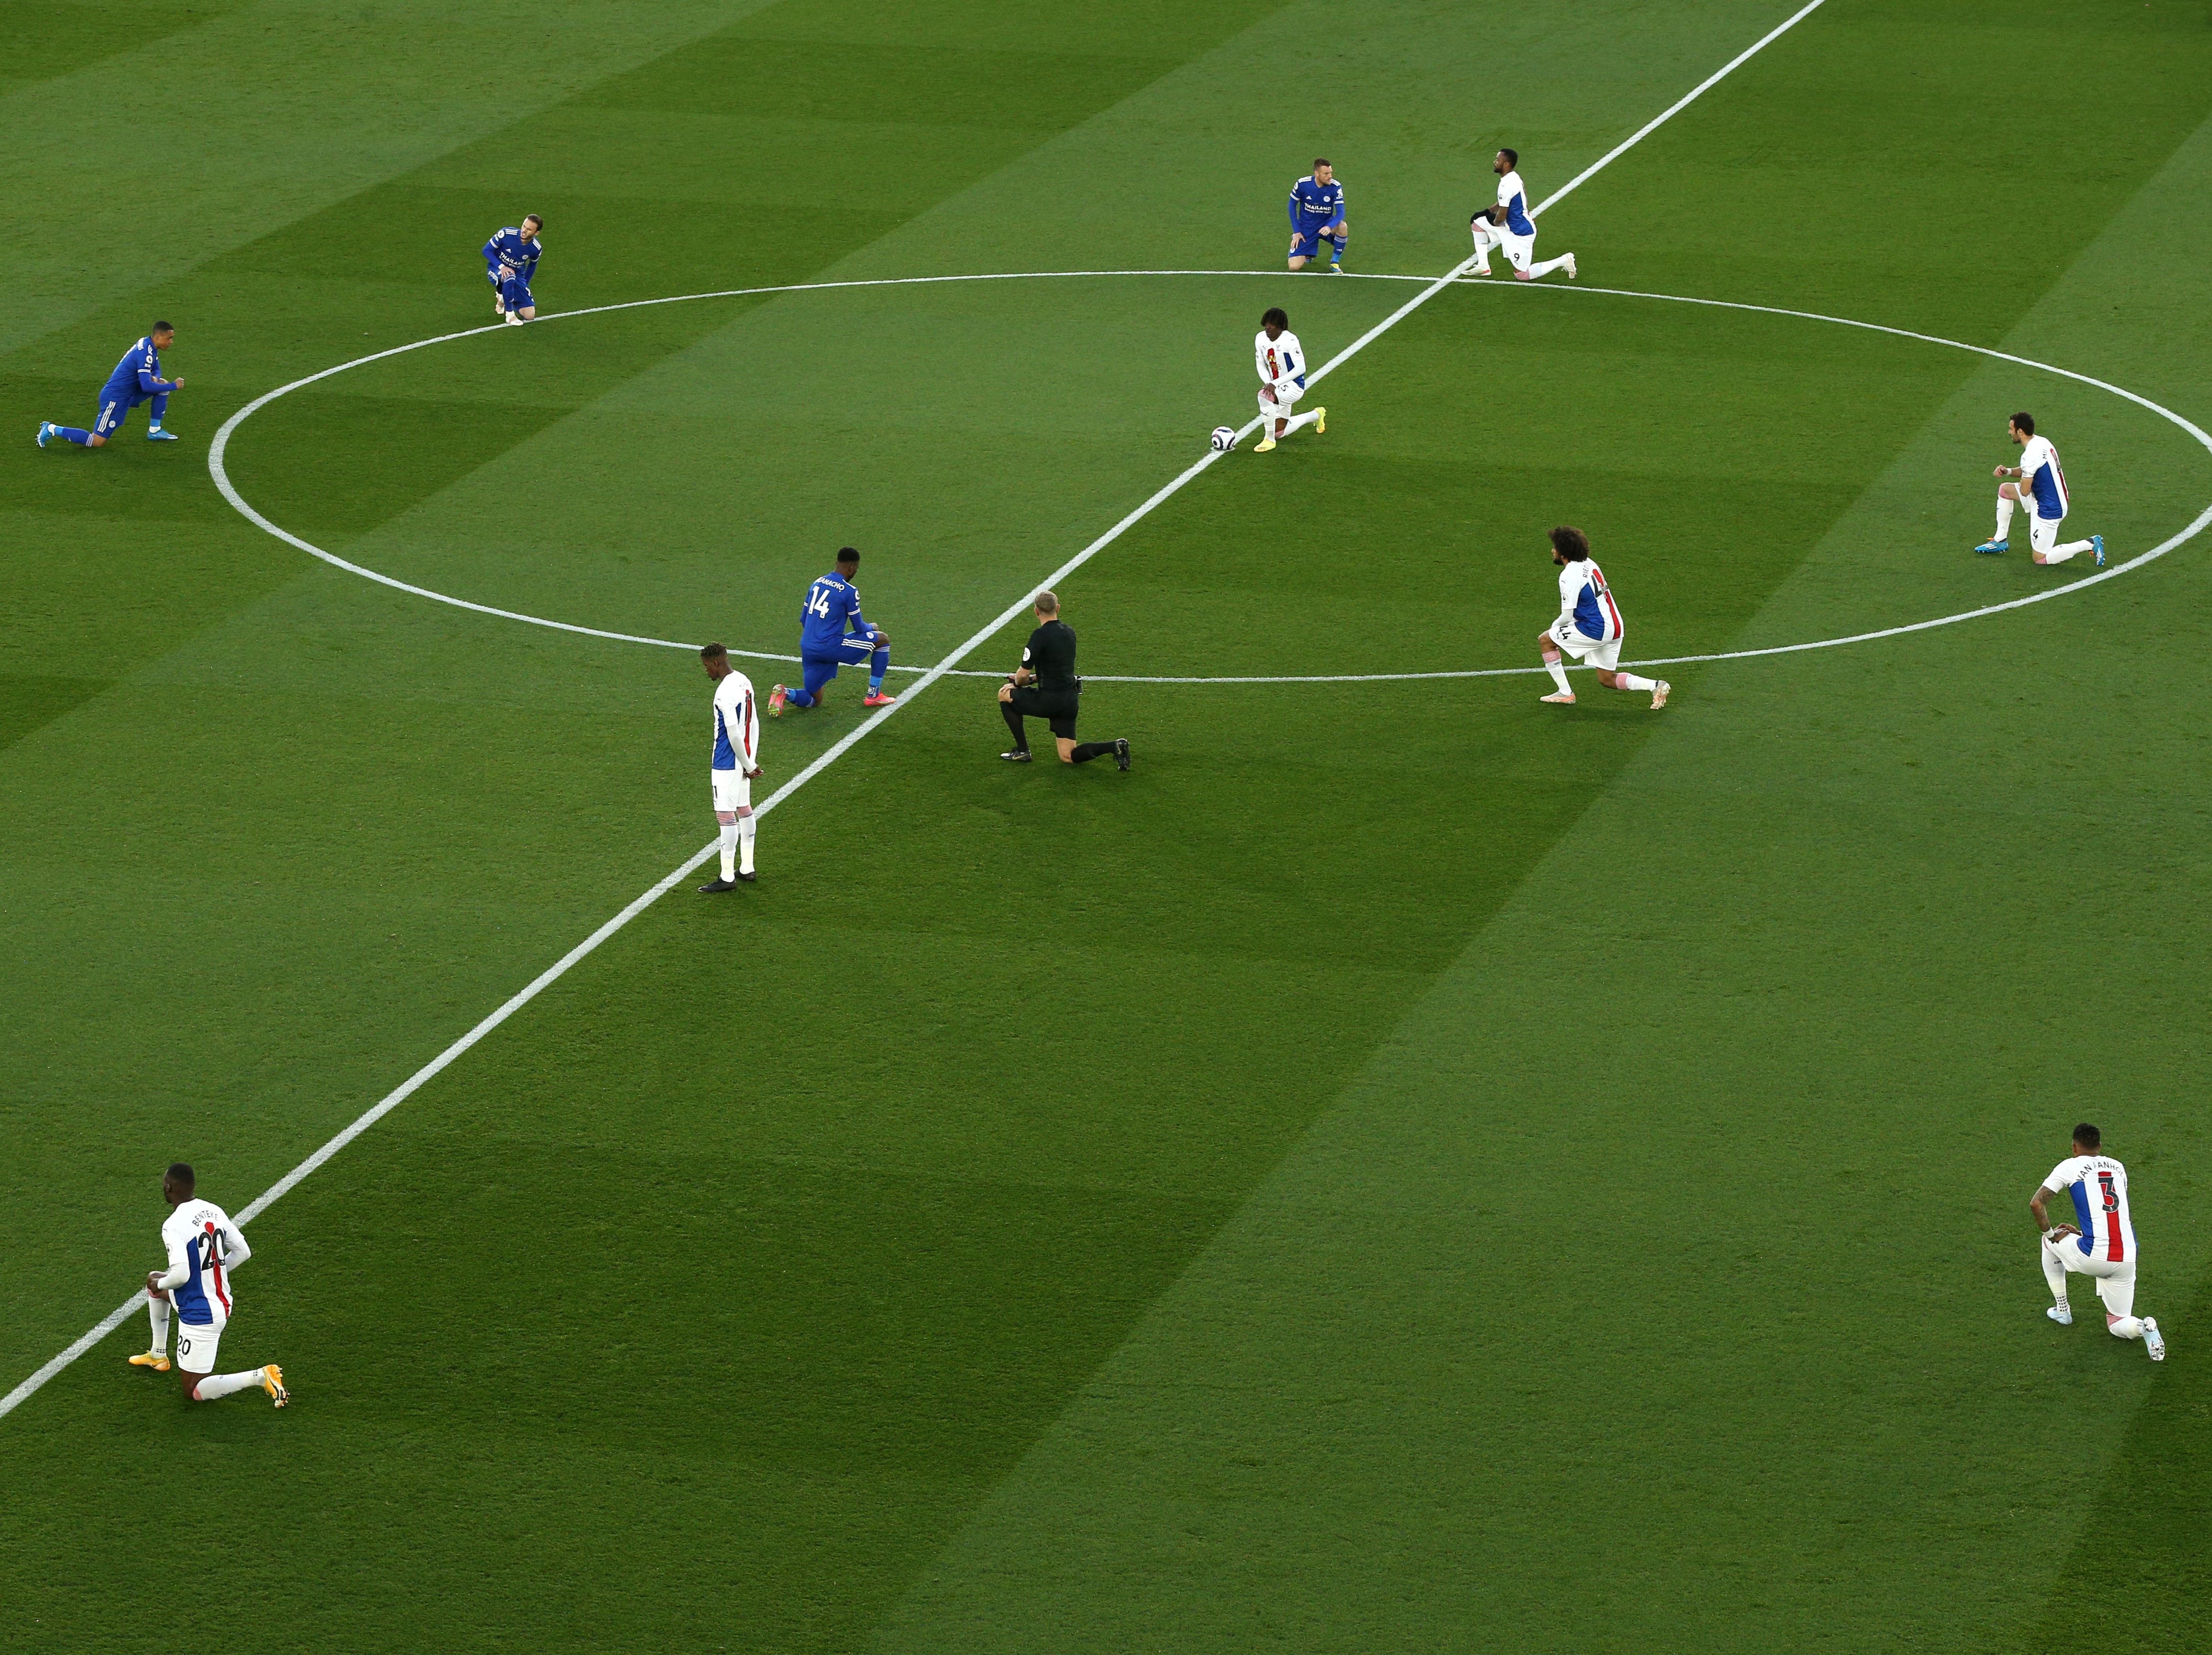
(1087, 751)
(1014, 723)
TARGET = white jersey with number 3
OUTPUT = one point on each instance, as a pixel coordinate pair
(2098, 1185)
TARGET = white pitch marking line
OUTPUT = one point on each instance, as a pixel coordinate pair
(222, 480)
(116, 1317)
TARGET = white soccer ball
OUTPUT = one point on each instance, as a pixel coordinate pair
(1224, 439)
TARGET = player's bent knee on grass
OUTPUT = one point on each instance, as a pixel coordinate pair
(2100, 1245)
(1045, 686)
(1589, 626)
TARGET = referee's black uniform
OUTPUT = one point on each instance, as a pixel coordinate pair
(1053, 694)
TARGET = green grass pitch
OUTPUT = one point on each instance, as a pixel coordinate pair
(1403, 1169)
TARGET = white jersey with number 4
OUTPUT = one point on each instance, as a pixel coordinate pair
(205, 1246)
(2098, 1185)
(1586, 602)
(2041, 479)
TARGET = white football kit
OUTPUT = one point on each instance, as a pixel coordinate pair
(1590, 627)
(204, 1247)
(2105, 1249)
(737, 743)
(1282, 364)
(1514, 232)
(2045, 486)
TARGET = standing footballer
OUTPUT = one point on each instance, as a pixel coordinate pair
(734, 768)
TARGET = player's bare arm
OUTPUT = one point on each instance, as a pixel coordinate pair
(2037, 1205)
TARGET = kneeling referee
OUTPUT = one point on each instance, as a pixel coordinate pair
(1045, 686)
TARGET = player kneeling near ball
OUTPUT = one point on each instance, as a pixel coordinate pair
(1590, 627)
(1281, 361)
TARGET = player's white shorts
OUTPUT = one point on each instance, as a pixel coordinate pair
(2116, 1283)
(1519, 250)
(2042, 536)
(196, 1346)
(1283, 406)
(733, 790)
(1589, 651)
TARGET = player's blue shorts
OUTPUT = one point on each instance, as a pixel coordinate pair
(515, 294)
(820, 669)
(1308, 243)
(115, 406)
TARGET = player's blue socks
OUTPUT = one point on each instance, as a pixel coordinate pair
(1336, 242)
(797, 698)
(75, 433)
(879, 664)
(158, 407)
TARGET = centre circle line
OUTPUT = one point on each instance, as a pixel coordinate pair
(217, 449)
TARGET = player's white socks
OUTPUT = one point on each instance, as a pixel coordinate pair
(2004, 518)
(2128, 1327)
(1558, 669)
(745, 830)
(217, 1385)
(2060, 554)
(1629, 681)
(1294, 420)
(729, 851)
(2055, 1274)
(157, 1312)
(1548, 266)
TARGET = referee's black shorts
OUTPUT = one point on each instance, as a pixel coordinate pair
(1057, 709)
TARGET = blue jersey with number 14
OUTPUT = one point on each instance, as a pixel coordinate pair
(831, 602)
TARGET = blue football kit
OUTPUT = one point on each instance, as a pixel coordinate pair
(1317, 214)
(519, 254)
(137, 379)
(825, 644)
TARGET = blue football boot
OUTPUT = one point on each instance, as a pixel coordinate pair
(1992, 547)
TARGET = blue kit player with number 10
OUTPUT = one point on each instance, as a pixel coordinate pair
(510, 260)
(824, 644)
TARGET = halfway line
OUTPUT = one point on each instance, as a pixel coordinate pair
(560, 968)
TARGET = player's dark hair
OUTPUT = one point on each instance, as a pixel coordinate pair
(849, 555)
(1320, 161)
(713, 652)
(2026, 424)
(179, 1173)
(161, 328)
(2088, 1137)
(533, 218)
(1573, 542)
(1512, 157)
(1277, 317)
